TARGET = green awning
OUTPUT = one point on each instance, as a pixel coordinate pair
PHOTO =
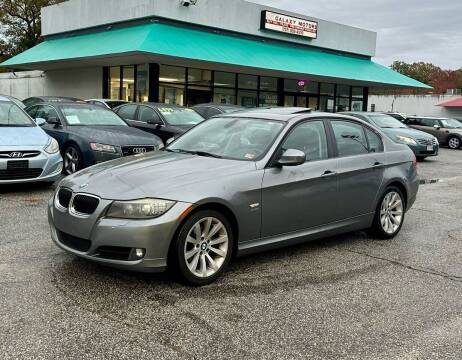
(182, 42)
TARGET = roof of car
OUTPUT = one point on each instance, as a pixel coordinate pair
(220, 105)
(4, 98)
(427, 117)
(282, 114)
(108, 100)
(155, 104)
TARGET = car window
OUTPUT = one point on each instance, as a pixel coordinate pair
(32, 111)
(309, 137)
(374, 140)
(350, 138)
(11, 115)
(90, 115)
(30, 101)
(146, 113)
(127, 112)
(46, 112)
(451, 123)
(179, 116)
(428, 122)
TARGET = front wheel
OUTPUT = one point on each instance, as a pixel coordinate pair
(72, 160)
(203, 247)
(454, 142)
(389, 216)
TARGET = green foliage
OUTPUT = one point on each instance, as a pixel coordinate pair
(20, 25)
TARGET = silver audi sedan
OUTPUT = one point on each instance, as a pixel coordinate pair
(233, 185)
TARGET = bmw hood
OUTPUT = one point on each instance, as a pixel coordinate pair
(159, 174)
(23, 136)
(408, 132)
(115, 135)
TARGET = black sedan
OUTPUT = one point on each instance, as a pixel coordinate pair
(48, 99)
(88, 134)
(165, 121)
(211, 109)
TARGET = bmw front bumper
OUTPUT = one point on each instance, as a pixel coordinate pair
(40, 168)
(113, 242)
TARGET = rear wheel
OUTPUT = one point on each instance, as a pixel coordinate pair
(203, 247)
(390, 212)
(421, 158)
(72, 160)
(454, 142)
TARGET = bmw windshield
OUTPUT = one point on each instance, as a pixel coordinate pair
(229, 138)
(386, 122)
(12, 116)
(90, 116)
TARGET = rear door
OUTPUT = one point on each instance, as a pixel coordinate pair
(304, 196)
(361, 162)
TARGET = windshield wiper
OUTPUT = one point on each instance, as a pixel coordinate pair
(199, 153)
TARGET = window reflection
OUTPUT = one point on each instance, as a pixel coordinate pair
(114, 83)
(128, 83)
(142, 83)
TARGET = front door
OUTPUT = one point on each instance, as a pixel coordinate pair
(301, 197)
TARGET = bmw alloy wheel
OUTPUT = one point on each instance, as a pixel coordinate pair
(391, 212)
(454, 143)
(71, 160)
(206, 247)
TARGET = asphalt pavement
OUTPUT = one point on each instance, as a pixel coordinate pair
(346, 297)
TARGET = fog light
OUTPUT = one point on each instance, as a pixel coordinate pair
(139, 253)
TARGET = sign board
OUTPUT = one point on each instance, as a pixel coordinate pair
(289, 24)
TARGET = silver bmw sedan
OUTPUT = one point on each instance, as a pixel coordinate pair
(233, 185)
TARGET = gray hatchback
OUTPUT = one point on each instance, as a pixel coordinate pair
(234, 185)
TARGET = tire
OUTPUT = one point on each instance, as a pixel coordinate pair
(203, 248)
(454, 142)
(421, 158)
(72, 160)
(388, 221)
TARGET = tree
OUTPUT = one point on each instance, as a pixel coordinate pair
(20, 25)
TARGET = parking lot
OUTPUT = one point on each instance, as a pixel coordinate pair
(349, 297)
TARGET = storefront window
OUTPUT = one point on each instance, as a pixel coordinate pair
(199, 77)
(171, 94)
(358, 92)
(128, 83)
(313, 103)
(328, 89)
(224, 96)
(343, 104)
(305, 86)
(247, 81)
(343, 90)
(326, 104)
(225, 79)
(142, 83)
(268, 99)
(357, 105)
(289, 100)
(172, 74)
(114, 83)
(247, 98)
(268, 83)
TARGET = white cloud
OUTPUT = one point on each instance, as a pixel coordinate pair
(408, 30)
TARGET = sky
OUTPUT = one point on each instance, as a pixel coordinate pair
(407, 30)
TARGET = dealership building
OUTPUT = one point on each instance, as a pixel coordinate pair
(189, 52)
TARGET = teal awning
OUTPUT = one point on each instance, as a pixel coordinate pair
(186, 43)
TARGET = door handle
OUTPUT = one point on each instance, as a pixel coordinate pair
(328, 174)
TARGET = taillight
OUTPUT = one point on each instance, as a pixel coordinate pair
(414, 161)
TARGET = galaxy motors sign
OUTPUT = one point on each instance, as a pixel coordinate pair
(289, 24)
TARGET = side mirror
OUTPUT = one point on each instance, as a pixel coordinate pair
(292, 157)
(169, 141)
(40, 121)
(53, 120)
(437, 127)
(155, 121)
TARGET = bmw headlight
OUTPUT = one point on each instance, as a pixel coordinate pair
(103, 148)
(406, 140)
(52, 147)
(139, 209)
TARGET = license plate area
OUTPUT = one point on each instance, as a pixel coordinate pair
(429, 147)
(17, 165)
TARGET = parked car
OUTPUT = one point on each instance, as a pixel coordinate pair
(236, 184)
(107, 103)
(88, 134)
(398, 116)
(165, 121)
(49, 99)
(209, 110)
(422, 144)
(15, 100)
(447, 131)
(27, 153)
